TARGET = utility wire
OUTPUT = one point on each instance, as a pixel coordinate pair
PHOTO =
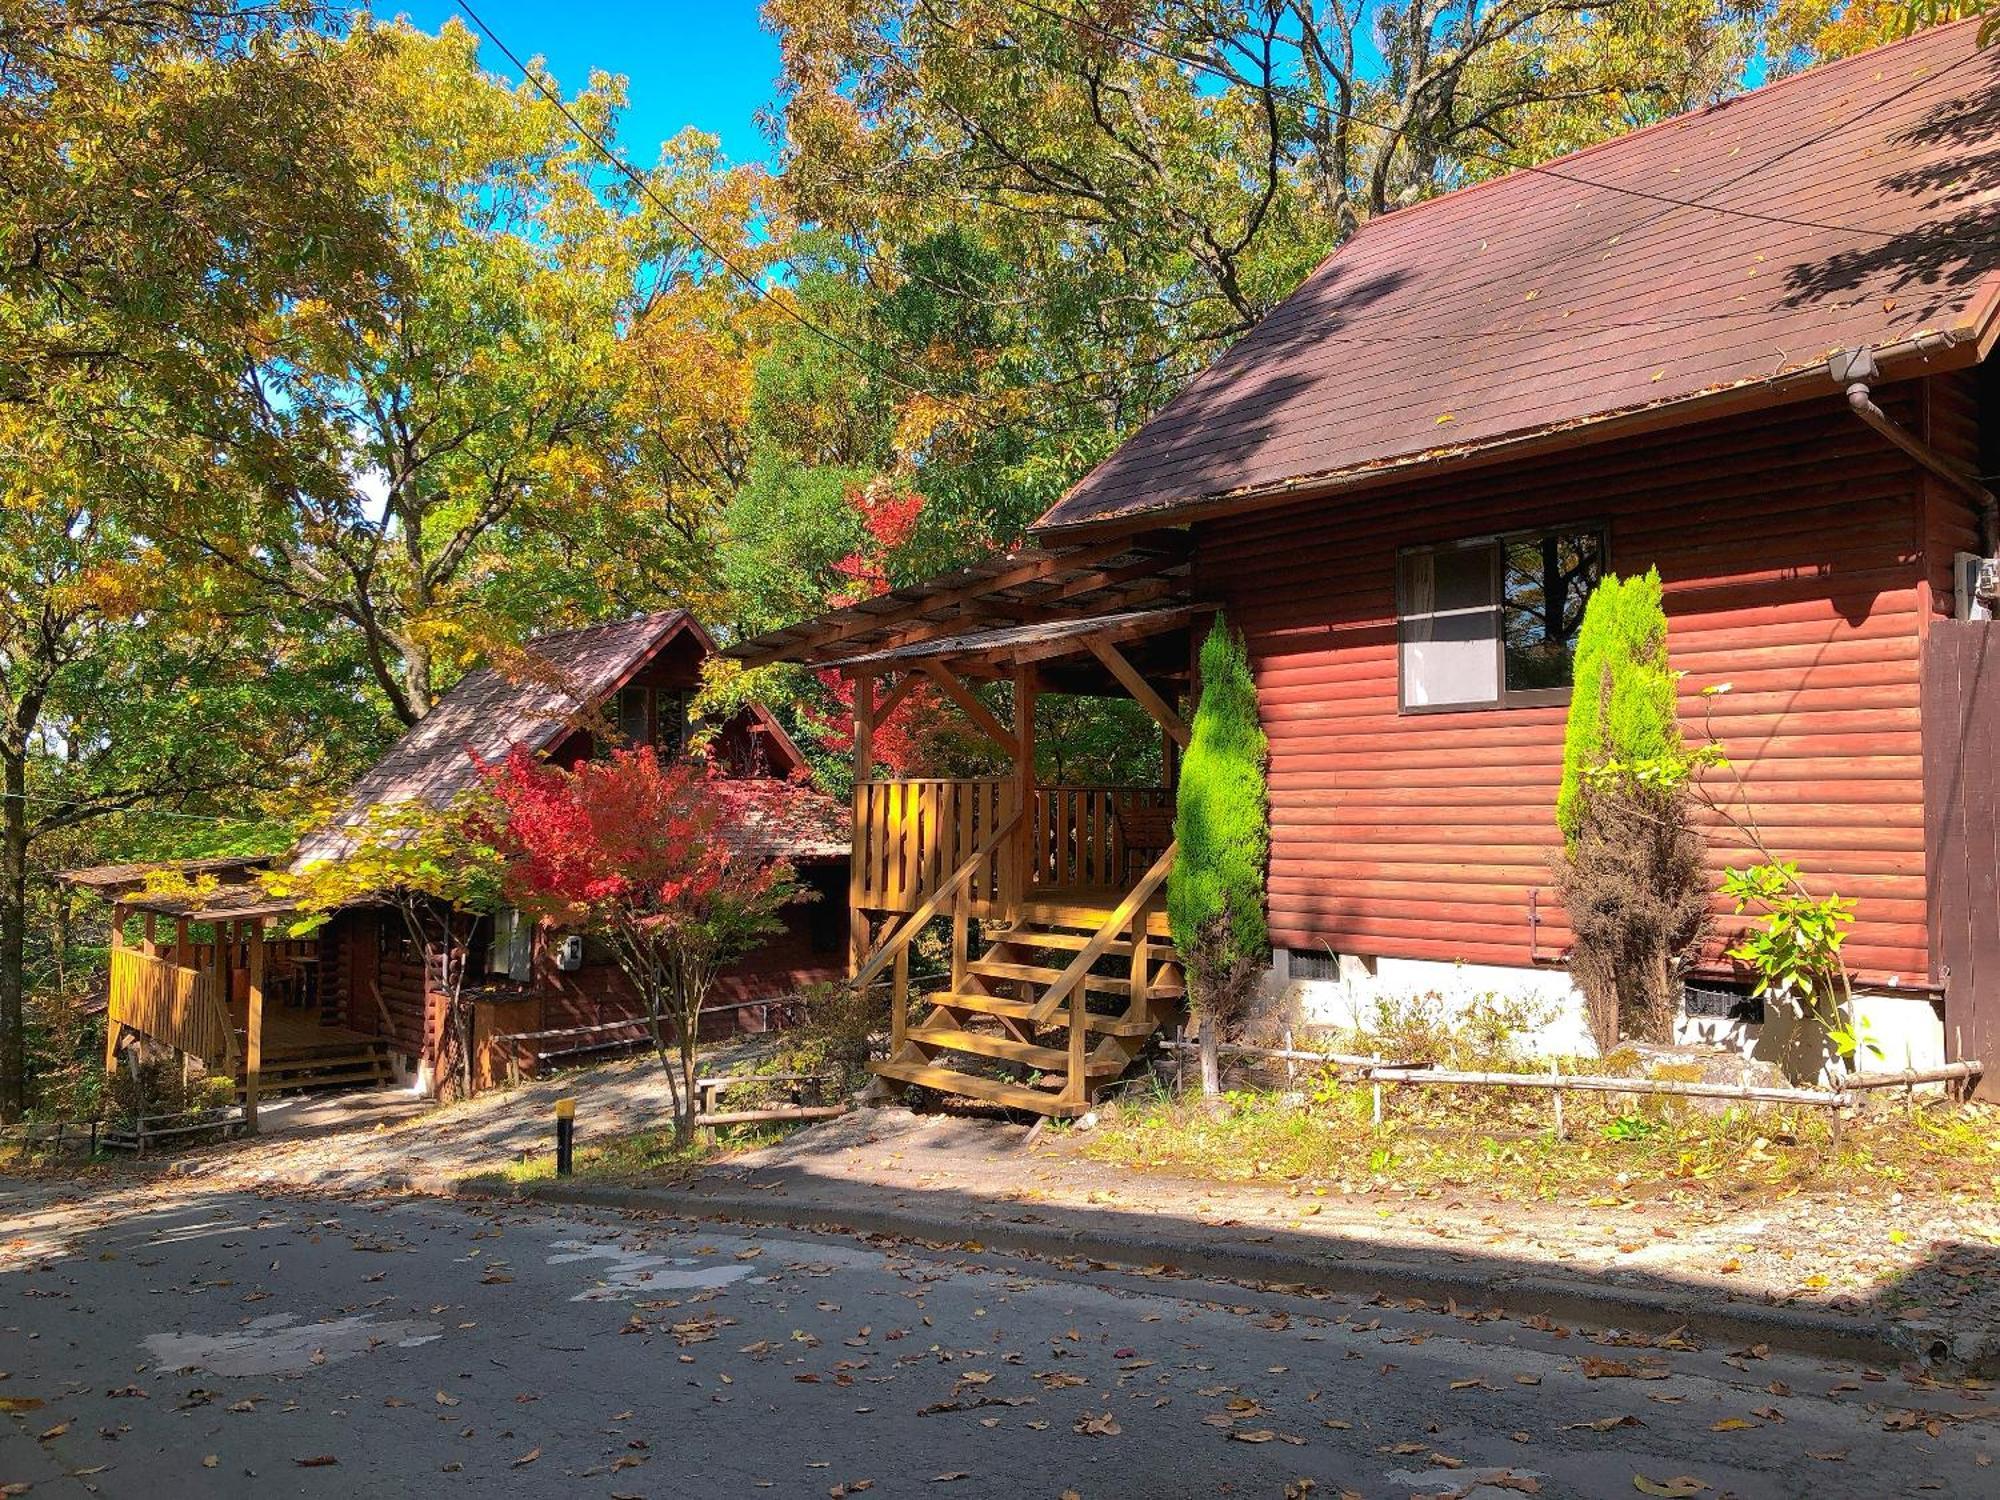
(1299, 96)
(639, 181)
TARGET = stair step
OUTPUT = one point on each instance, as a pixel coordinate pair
(1024, 937)
(1020, 1010)
(971, 1085)
(1000, 968)
(991, 1044)
(328, 1057)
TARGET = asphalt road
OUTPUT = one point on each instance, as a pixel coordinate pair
(224, 1344)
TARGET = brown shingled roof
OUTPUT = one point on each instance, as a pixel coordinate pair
(1855, 204)
(489, 712)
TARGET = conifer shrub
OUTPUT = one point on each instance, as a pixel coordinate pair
(1222, 827)
(1631, 873)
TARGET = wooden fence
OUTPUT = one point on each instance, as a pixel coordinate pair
(177, 1007)
(1961, 720)
(910, 834)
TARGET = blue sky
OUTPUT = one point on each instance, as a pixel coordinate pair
(709, 65)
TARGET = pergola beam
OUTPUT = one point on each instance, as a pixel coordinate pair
(955, 605)
(969, 704)
(1128, 675)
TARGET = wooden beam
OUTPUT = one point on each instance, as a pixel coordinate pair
(892, 700)
(1020, 858)
(1127, 674)
(253, 1031)
(864, 765)
(944, 610)
(969, 705)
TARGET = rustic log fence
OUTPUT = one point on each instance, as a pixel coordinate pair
(1845, 1094)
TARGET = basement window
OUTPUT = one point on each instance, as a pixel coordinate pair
(1492, 622)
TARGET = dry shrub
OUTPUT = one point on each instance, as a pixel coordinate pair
(1632, 882)
(833, 1034)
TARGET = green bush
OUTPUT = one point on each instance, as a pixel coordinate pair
(1631, 874)
(1215, 894)
(1624, 706)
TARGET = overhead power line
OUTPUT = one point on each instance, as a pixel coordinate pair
(1300, 96)
(680, 221)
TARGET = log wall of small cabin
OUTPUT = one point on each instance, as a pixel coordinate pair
(809, 950)
(367, 958)
(1801, 556)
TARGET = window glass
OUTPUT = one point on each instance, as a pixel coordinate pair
(1448, 617)
(632, 717)
(1547, 579)
(673, 728)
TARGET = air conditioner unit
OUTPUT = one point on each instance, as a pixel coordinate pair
(1976, 586)
(569, 954)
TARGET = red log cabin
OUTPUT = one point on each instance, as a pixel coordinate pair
(353, 1003)
(1749, 347)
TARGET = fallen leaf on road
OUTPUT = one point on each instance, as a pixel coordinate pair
(1101, 1424)
(1732, 1424)
(1259, 1435)
(950, 1475)
(526, 1458)
(317, 1461)
(1605, 1424)
(20, 1403)
(442, 1400)
(1680, 1486)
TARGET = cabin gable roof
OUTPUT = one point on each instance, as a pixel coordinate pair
(1724, 252)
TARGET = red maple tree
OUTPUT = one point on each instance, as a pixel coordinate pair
(910, 740)
(652, 856)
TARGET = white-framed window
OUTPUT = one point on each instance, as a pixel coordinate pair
(1491, 622)
(512, 951)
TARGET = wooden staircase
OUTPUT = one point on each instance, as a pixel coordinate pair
(1060, 1003)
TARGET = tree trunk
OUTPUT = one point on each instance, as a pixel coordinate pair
(1211, 1058)
(690, 1105)
(13, 935)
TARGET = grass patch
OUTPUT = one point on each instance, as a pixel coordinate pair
(651, 1155)
(1435, 1141)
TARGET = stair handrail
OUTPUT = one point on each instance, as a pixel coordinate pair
(871, 970)
(1101, 940)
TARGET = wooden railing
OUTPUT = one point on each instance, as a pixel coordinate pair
(177, 1007)
(1075, 839)
(909, 835)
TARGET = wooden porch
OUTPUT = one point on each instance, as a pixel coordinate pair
(227, 990)
(1058, 972)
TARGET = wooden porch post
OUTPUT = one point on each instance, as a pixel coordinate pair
(253, 1031)
(1018, 861)
(112, 1026)
(864, 768)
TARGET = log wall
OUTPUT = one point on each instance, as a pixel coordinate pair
(1802, 557)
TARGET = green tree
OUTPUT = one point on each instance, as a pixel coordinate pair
(529, 415)
(1631, 874)
(174, 177)
(438, 870)
(1222, 827)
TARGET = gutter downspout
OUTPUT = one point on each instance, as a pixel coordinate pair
(1853, 369)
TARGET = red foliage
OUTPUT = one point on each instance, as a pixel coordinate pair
(905, 743)
(631, 842)
(890, 521)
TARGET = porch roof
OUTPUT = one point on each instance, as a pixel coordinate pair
(1021, 645)
(1077, 581)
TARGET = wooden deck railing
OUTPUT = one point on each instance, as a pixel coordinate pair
(177, 1007)
(910, 835)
